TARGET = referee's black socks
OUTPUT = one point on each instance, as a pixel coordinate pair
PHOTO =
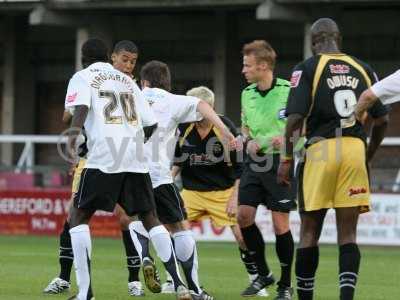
(349, 264)
(255, 244)
(306, 265)
(66, 256)
(285, 250)
(132, 256)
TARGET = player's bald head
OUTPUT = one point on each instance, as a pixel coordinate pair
(325, 31)
(324, 25)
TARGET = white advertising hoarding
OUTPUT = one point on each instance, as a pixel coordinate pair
(380, 226)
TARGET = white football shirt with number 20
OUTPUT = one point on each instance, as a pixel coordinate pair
(115, 121)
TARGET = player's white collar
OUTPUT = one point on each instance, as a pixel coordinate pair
(101, 65)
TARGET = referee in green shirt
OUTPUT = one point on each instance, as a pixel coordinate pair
(263, 124)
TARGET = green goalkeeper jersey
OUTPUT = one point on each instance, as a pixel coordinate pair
(264, 112)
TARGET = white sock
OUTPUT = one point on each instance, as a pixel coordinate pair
(136, 227)
(82, 248)
(186, 253)
(162, 243)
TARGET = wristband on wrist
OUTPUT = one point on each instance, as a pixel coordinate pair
(286, 157)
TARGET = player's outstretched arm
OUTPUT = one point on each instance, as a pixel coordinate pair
(365, 102)
(208, 113)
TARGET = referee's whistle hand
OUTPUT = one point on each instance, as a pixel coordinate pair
(283, 173)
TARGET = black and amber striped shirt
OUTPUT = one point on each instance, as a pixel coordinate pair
(205, 165)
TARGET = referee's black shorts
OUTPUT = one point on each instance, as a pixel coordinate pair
(101, 191)
(258, 185)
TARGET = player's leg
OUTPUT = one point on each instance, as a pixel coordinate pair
(97, 191)
(251, 194)
(349, 253)
(139, 199)
(132, 256)
(284, 247)
(247, 258)
(351, 199)
(82, 248)
(255, 244)
(163, 246)
(307, 254)
(66, 256)
(172, 211)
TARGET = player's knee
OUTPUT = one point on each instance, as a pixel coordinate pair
(124, 222)
(244, 219)
(149, 219)
(280, 222)
(308, 239)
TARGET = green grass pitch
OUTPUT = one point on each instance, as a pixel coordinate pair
(28, 263)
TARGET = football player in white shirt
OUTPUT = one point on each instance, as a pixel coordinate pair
(124, 57)
(114, 113)
(170, 110)
(387, 91)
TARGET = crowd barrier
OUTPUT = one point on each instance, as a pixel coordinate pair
(43, 212)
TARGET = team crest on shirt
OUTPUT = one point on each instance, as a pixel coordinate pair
(295, 79)
(72, 97)
(357, 192)
(339, 69)
(282, 114)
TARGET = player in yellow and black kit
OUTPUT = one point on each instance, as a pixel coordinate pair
(324, 92)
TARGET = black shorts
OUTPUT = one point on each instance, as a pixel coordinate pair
(258, 185)
(101, 191)
(169, 204)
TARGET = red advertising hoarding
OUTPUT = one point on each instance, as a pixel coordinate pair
(43, 212)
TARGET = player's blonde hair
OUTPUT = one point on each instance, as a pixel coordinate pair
(203, 93)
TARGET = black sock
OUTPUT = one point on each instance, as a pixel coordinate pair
(349, 264)
(248, 261)
(66, 256)
(132, 256)
(306, 265)
(256, 247)
(285, 250)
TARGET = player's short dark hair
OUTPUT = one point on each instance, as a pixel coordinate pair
(157, 74)
(94, 50)
(262, 51)
(126, 45)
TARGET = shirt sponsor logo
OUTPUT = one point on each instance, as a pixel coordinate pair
(282, 114)
(357, 192)
(339, 69)
(296, 76)
(72, 97)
